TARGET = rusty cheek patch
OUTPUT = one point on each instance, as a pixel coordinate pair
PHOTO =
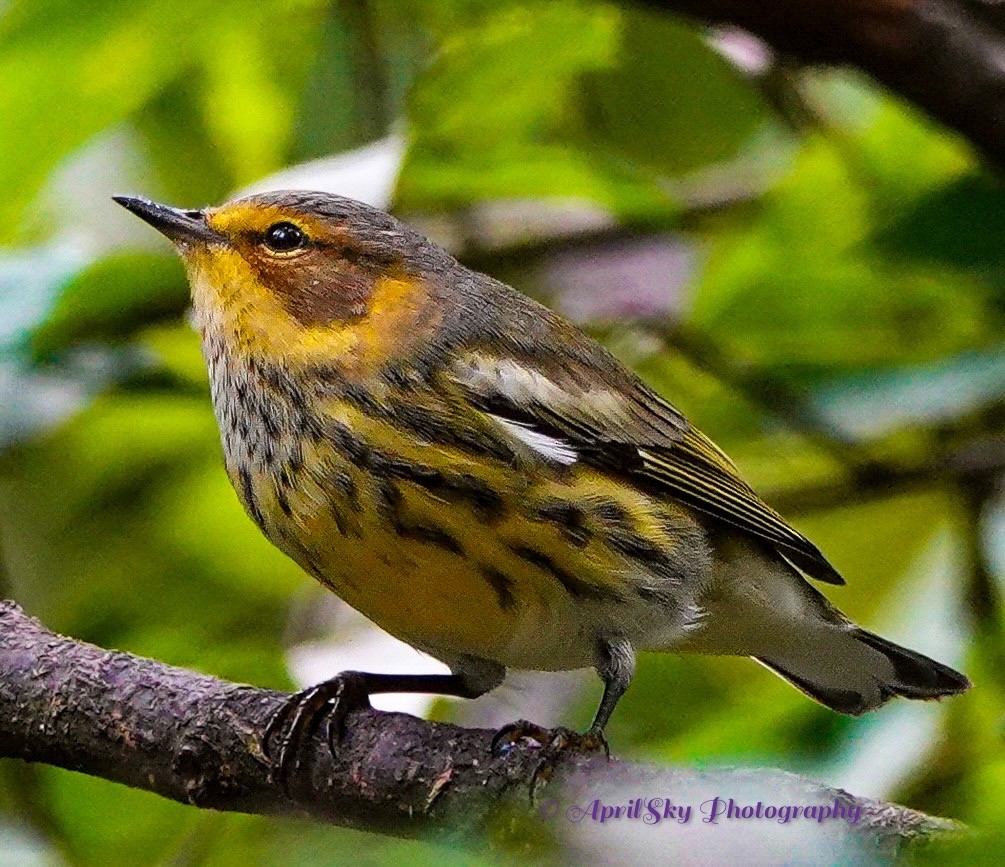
(332, 282)
(319, 290)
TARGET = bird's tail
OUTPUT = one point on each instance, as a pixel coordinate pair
(852, 671)
(760, 606)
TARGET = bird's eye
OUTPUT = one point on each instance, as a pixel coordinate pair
(284, 238)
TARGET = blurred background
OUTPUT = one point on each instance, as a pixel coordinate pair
(807, 267)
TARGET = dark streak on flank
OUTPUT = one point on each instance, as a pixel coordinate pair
(389, 469)
(485, 500)
(460, 487)
(502, 584)
(568, 517)
(410, 471)
(431, 535)
(648, 554)
(251, 504)
(345, 486)
(613, 514)
(283, 500)
(390, 498)
(349, 445)
(463, 487)
(457, 487)
(340, 522)
(574, 586)
(621, 535)
(436, 428)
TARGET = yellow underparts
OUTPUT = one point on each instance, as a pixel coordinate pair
(467, 591)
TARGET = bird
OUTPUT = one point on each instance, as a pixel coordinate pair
(483, 480)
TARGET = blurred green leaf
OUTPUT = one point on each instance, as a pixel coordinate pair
(324, 125)
(960, 225)
(671, 103)
(92, 810)
(189, 168)
(369, 54)
(177, 350)
(895, 150)
(111, 299)
(800, 287)
(519, 170)
(72, 69)
(490, 117)
(248, 107)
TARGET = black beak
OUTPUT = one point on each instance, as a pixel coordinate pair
(180, 226)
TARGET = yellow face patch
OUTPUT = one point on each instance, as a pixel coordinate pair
(243, 217)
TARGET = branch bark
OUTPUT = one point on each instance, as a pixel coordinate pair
(945, 56)
(196, 739)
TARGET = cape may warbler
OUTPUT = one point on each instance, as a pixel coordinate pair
(484, 481)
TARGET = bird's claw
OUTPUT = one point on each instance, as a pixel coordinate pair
(510, 735)
(554, 744)
(296, 722)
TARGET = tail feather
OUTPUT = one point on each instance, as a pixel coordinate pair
(760, 606)
(871, 670)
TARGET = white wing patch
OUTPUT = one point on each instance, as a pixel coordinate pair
(553, 449)
(522, 385)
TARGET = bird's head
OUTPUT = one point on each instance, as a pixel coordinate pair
(301, 276)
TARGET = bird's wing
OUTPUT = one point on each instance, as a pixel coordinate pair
(609, 419)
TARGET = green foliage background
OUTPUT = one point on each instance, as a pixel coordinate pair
(844, 312)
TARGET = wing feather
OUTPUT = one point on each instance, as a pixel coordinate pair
(625, 428)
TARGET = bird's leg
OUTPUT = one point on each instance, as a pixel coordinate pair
(617, 670)
(298, 719)
(616, 667)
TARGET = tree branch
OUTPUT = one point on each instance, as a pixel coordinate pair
(956, 465)
(196, 739)
(945, 56)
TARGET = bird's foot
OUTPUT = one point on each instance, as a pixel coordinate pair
(554, 744)
(296, 722)
(560, 739)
